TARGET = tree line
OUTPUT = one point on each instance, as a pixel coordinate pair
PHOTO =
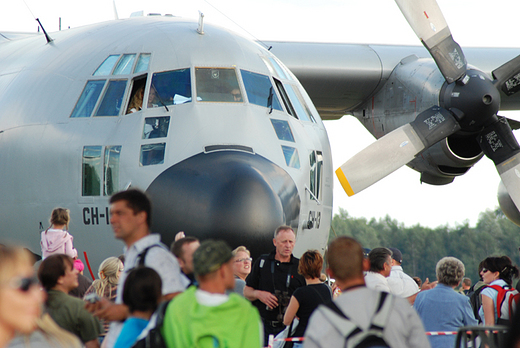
(423, 247)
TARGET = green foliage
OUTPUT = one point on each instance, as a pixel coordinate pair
(423, 247)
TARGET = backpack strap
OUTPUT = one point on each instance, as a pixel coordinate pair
(339, 320)
(348, 328)
(500, 297)
(142, 255)
(161, 311)
(383, 311)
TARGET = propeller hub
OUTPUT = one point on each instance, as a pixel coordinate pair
(477, 98)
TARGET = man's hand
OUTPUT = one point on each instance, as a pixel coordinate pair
(266, 297)
(104, 309)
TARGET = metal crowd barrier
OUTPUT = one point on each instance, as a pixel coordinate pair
(481, 336)
(467, 337)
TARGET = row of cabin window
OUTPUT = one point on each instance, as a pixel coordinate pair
(100, 169)
(100, 173)
(174, 87)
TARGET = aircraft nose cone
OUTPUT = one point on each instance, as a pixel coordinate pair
(235, 196)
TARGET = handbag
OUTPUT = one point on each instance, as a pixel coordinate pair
(285, 333)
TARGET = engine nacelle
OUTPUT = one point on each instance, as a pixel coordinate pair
(449, 158)
(506, 204)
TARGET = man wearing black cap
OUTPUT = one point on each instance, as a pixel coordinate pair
(206, 316)
(400, 283)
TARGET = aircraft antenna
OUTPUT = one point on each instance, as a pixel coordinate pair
(200, 29)
(238, 25)
(116, 16)
(47, 37)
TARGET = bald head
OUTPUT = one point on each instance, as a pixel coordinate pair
(345, 259)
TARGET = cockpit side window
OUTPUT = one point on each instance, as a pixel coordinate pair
(137, 95)
(156, 127)
(316, 173)
(152, 154)
(291, 156)
(111, 103)
(170, 88)
(218, 85)
(301, 108)
(88, 99)
(260, 90)
(285, 98)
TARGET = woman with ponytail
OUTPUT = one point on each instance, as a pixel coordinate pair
(496, 271)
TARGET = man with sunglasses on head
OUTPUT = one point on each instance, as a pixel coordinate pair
(58, 276)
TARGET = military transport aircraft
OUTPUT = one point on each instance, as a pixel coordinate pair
(214, 127)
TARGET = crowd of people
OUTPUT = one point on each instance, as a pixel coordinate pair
(204, 294)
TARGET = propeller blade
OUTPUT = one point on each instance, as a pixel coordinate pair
(507, 76)
(500, 145)
(514, 124)
(428, 23)
(396, 149)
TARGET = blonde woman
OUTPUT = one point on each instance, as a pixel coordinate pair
(241, 268)
(56, 239)
(106, 286)
(20, 297)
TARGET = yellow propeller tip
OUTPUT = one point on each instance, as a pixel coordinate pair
(344, 182)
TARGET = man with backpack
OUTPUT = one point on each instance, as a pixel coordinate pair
(361, 317)
(130, 217)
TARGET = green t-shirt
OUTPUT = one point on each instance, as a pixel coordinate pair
(69, 313)
(233, 324)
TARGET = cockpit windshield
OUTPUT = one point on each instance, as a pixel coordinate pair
(217, 85)
(170, 88)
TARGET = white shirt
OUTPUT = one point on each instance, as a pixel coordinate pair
(376, 281)
(158, 258)
(401, 284)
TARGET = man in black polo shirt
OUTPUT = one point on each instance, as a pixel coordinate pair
(272, 281)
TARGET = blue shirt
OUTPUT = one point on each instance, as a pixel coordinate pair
(131, 330)
(443, 309)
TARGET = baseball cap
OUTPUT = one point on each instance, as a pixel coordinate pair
(396, 255)
(210, 255)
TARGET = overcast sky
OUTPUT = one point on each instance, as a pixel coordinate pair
(475, 23)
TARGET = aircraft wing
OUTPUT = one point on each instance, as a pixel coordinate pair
(340, 77)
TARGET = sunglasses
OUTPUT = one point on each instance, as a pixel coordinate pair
(484, 270)
(246, 259)
(23, 284)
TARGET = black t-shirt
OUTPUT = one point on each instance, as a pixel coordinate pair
(268, 274)
(309, 297)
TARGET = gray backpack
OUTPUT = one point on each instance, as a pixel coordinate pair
(355, 337)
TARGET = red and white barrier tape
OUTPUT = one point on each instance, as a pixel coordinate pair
(290, 339)
(441, 333)
(301, 339)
